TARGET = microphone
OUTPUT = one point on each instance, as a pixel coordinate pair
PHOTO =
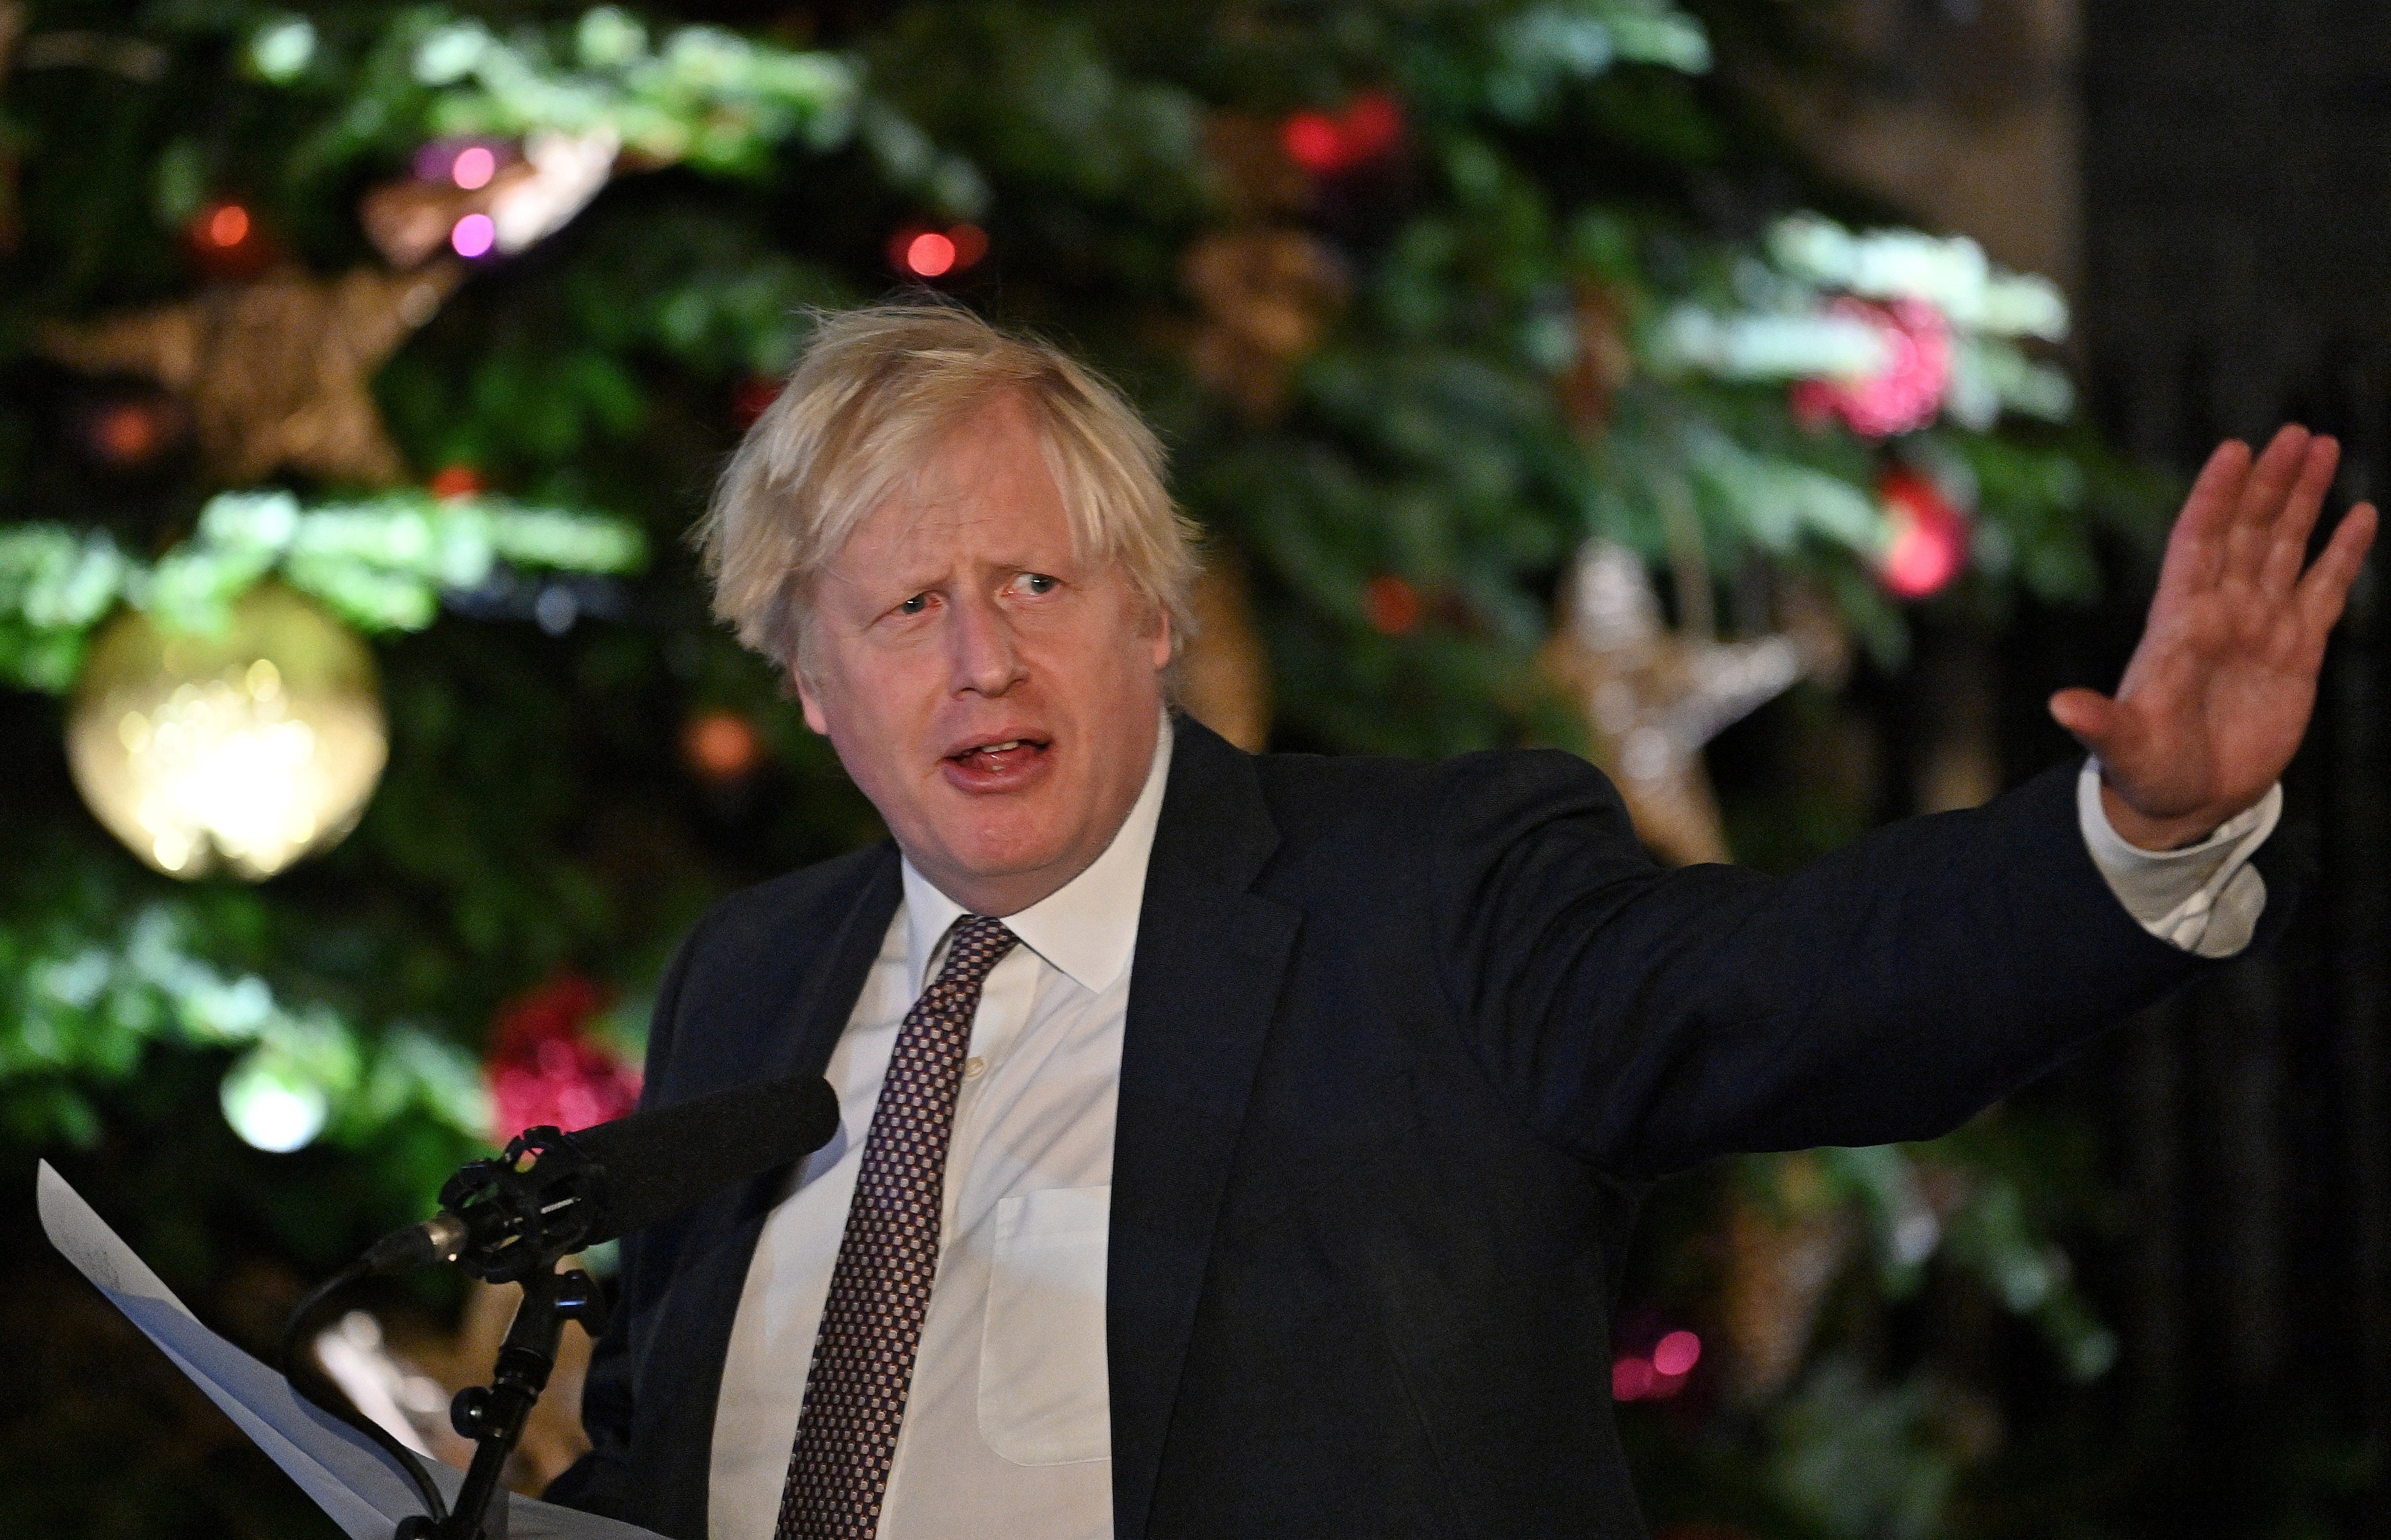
(553, 1193)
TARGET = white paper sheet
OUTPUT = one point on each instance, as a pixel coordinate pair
(351, 1478)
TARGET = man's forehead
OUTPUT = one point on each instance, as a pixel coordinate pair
(962, 519)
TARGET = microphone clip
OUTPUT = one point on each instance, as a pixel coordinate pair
(514, 1215)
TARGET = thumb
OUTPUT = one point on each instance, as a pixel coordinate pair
(2088, 714)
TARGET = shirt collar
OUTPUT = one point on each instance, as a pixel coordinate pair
(1087, 929)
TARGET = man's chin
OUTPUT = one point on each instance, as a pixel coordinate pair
(997, 858)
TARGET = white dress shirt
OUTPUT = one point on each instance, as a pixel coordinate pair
(1007, 1430)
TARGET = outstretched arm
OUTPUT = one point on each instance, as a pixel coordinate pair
(1651, 1019)
(2218, 693)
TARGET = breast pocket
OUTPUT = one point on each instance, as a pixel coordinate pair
(1043, 1399)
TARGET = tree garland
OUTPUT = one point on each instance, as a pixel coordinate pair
(381, 563)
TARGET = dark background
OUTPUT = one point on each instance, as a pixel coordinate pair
(2237, 273)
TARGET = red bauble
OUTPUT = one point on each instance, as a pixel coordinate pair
(1907, 392)
(1928, 538)
(544, 1069)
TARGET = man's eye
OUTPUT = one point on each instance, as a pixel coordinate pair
(915, 604)
(1037, 582)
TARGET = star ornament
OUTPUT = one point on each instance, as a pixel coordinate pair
(1654, 697)
(276, 371)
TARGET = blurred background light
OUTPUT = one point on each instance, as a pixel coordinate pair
(473, 235)
(929, 254)
(270, 1105)
(251, 747)
(474, 167)
(227, 225)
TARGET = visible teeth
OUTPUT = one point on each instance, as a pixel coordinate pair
(998, 747)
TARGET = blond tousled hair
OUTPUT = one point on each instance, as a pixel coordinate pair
(875, 391)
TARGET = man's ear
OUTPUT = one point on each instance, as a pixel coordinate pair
(809, 697)
(1162, 638)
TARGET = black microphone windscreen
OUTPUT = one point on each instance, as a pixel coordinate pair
(662, 1161)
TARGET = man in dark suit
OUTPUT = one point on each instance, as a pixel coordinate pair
(1246, 1145)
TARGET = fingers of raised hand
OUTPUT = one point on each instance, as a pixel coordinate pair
(2260, 508)
(2288, 550)
(2197, 548)
(2325, 589)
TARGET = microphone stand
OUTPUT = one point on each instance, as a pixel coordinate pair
(493, 1415)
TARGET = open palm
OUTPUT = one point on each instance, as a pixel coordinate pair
(2218, 693)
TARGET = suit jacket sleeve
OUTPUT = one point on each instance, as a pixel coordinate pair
(601, 1482)
(1648, 1020)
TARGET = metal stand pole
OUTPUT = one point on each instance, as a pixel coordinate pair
(493, 1415)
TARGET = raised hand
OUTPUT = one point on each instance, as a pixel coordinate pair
(2219, 690)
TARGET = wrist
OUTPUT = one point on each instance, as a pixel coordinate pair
(2156, 835)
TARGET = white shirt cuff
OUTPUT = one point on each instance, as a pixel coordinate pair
(2205, 898)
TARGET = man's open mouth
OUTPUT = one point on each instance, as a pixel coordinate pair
(991, 758)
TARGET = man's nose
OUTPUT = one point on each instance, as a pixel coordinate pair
(985, 659)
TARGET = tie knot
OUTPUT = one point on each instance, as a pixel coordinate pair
(977, 943)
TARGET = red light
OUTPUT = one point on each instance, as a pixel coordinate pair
(971, 244)
(1314, 142)
(1676, 1354)
(228, 225)
(129, 432)
(752, 397)
(721, 745)
(457, 481)
(1631, 1379)
(1393, 604)
(929, 254)
(1371, 126)
(1373, 123)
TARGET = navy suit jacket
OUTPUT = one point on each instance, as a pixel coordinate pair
(1406, 1044)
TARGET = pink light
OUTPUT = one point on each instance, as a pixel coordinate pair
(1631, 1379)
(1918, 563)
(1675, 1355)
(929, 254)
(473, 168)
(1906, 394)
(473, 235)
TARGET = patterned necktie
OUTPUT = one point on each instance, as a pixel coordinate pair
(872, 1322)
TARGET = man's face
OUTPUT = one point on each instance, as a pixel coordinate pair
(993, 695)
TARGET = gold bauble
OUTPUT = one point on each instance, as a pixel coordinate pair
(252, 745)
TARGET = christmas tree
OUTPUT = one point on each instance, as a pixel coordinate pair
(361, 371)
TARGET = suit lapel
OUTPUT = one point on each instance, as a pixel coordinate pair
(705, 1298)
(1209, 962)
